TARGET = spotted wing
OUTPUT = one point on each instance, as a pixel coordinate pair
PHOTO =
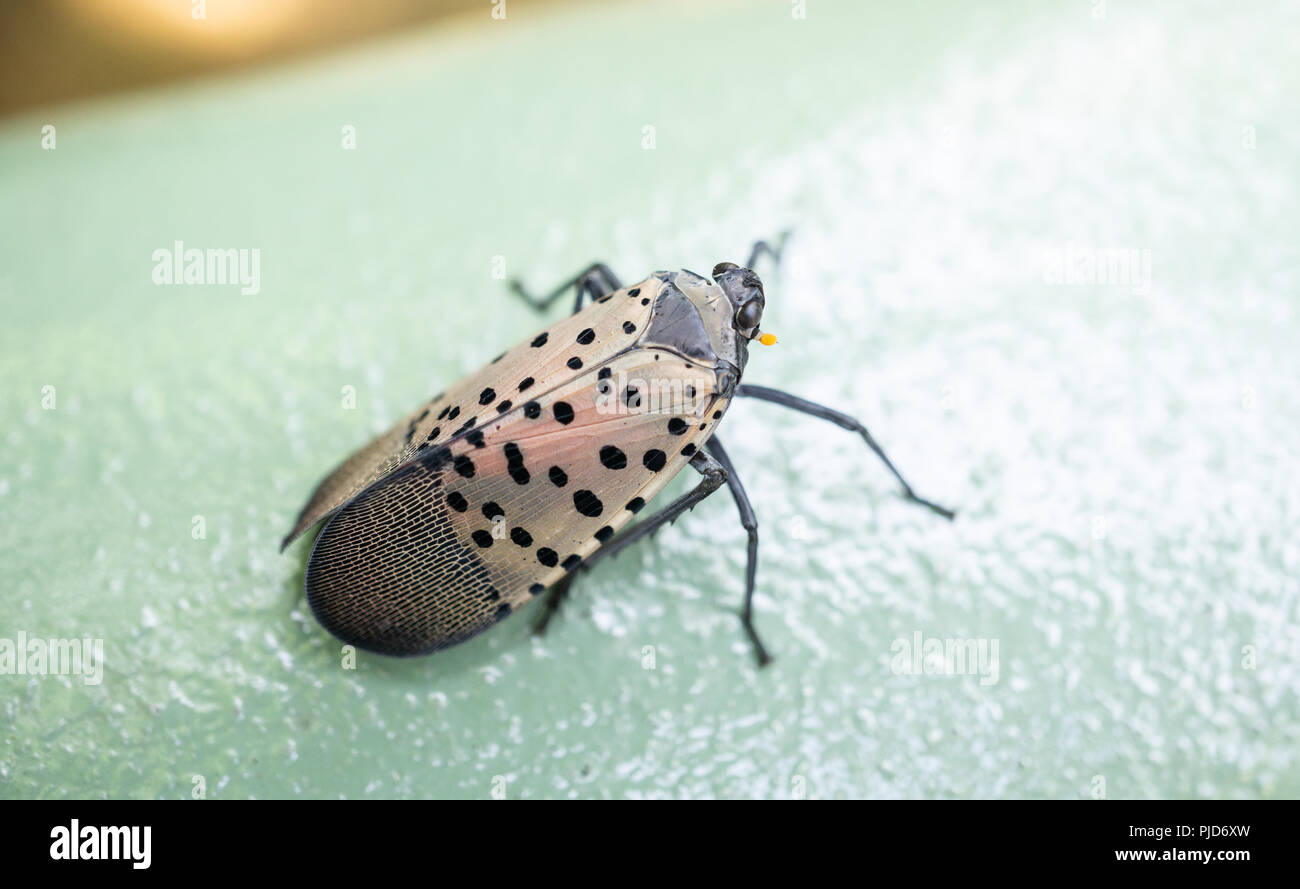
(472, 528)
(557, 355)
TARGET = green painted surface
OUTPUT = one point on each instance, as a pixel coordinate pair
(1122, 455)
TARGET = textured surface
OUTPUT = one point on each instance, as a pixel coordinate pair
(1122, 455)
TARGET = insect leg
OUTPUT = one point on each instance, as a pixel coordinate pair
(763, 247)
(554, 597)
(595, 281)
(844, 421)
(749, 522)
(714, 477)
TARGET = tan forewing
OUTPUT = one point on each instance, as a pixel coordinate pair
(533, 472)
(535, 366)
(470, 530)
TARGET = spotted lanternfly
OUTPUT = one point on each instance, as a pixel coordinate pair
(502, 487)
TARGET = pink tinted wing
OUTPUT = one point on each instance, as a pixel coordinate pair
(565, 351)
(476, 527)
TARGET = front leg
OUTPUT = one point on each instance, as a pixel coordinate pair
(844, 421)
(748, 521)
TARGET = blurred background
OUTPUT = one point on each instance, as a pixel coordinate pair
(56, 50)
(1046, 252)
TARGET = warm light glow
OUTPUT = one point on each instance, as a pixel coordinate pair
(217, 27)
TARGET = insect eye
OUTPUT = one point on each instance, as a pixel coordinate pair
(749, 315)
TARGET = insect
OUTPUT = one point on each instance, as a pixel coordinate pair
(535, 467)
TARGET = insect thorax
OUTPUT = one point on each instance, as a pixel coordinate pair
(693, 318)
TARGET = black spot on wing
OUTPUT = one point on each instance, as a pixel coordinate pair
(515, 464)
(436, 459)
(612, 458)
(587, 503)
